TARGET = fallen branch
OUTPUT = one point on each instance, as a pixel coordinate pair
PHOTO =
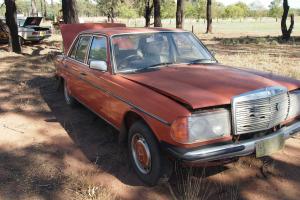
(4, 126)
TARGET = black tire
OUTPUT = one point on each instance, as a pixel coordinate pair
(71, 101)
(160, 167)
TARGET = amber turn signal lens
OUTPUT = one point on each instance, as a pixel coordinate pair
(179, 130)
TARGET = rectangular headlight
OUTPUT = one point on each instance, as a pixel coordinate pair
(294, 104)
(209, 126)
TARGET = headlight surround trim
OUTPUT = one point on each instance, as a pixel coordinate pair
(294, 104)
(202, 127)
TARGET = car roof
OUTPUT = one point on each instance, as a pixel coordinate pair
(127, 30)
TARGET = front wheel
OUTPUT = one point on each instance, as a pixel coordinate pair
(147, 160)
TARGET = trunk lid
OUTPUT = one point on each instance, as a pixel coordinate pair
(32, 21)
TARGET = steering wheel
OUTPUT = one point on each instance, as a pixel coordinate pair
(124, 62)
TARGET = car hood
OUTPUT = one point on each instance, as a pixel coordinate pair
(207, 85)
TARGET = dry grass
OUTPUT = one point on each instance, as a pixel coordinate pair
(196, 184)
(191, 185)
(258, 53)
(81, 187)
(262, 61)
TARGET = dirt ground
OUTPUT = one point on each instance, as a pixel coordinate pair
(51, 151)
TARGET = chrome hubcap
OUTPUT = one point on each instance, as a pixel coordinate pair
(141, 153)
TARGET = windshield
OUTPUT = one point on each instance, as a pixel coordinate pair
(143, 51)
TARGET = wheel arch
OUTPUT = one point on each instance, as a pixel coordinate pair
(130, 117)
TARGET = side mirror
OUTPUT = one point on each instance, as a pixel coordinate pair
(98, 65)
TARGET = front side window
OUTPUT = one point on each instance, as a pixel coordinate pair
(82, 47)
(98, 49)
(135, 52)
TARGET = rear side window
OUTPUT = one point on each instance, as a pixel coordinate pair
(82, 47)
(98, 49)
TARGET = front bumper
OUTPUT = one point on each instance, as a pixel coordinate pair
(228, 151)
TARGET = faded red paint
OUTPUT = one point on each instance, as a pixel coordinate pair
(161, 93)
(201, 86)
(70, 31)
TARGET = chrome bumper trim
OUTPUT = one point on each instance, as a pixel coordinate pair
(223, 152)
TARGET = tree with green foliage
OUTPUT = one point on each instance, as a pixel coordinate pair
(275, 9)
(168, 9)
(87, 8)
(257, 10)
(195, 9)
(108, 8)
(234, 12)
(245, 8)
(218, 10)
(126, 11)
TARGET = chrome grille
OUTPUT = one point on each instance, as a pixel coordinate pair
(260, 110)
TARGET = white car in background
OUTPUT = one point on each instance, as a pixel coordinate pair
(30, 30)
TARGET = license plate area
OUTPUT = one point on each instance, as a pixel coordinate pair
(269, 146)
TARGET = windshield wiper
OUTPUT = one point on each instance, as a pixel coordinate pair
(202, 60)
(153, 66)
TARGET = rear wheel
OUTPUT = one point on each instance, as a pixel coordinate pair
(147, 160)
(68, 98)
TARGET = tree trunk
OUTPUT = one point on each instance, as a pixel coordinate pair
(42, 7)
(208, 17)
(148, 11)
(69, 12)
(45, 9)
(3, 27)
(286, 33)
(157, 20)
(179, 14)
(34, 11)
(10, 17)
(112, 14)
